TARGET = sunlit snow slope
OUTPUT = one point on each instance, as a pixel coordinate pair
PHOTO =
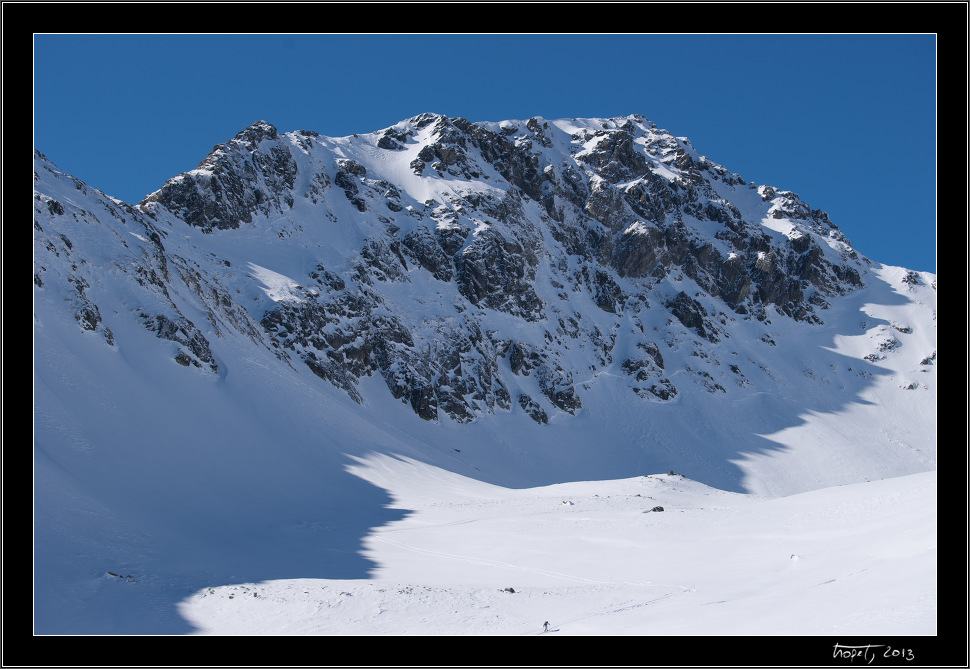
(594, 558)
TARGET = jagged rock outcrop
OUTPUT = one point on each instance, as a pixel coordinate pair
(498, 273)
(253, 173)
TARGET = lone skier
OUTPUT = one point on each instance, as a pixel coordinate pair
(545, 626)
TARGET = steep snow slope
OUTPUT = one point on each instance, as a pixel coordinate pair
(183, 438)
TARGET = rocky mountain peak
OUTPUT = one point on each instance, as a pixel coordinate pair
(477, 267)
(255, 133)
(250, 174)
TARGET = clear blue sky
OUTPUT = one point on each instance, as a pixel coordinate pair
(846, 121)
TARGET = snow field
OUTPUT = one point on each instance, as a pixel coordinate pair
(590, 558)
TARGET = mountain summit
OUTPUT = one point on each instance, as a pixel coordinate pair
(477, 268)
(564, 249)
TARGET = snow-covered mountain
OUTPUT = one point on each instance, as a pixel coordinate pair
(522, 303)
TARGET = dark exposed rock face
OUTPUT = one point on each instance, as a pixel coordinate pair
(498, 274)
(578, 232)
(195, 349)
(692, 315)
(647, 369)
(236, 181)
